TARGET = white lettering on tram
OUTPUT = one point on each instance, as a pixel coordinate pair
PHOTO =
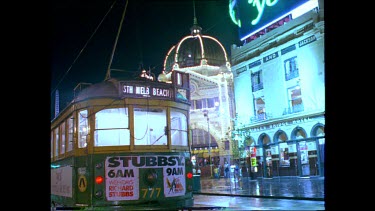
(145, 161)
(142, 90)
(127, 89)
(160, 92)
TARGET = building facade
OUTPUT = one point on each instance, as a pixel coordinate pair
(279, 90)
(211, 91)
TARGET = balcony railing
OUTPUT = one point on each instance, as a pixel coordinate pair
(261, 117)
(294, 109)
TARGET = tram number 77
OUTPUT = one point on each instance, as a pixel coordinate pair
(151, 192)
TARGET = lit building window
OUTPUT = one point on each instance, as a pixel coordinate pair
(256, 81)
(291, 68)
(206, 103)
(260, 108)
(295, 99)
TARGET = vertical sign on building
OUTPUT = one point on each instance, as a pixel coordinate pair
(303, 151)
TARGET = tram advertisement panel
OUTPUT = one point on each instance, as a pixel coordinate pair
(61, 181)
(123, 175)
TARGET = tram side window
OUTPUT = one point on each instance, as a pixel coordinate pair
(51, 144)
(179, 134)
(150, 126)
(112, 127)
(83, 129)
(70, 134)
(62, 141)
(56, 141)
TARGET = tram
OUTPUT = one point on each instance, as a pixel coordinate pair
(123, 144)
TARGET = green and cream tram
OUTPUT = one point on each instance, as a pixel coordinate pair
(123, 144)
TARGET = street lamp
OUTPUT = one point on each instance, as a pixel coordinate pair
(209, 140)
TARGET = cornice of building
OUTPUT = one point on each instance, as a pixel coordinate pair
(291, 30)
(285, 118)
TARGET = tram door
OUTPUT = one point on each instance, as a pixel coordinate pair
(83, 175)
(83, 181)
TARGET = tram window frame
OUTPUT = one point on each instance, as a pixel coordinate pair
(118, 125)
(70, 131)
(143, 135)
(62, 141)
(52, 144)
(182, 128)
(82, 124)
(56, 142)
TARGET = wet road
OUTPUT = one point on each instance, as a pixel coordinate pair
(220, 202)
(278, 193)
(280, 187)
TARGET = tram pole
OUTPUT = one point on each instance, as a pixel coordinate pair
(108, 74)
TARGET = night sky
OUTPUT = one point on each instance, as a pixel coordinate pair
(81, 47)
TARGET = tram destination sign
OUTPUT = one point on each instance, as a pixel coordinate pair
(145, 91)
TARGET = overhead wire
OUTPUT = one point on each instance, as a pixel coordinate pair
(79, 54)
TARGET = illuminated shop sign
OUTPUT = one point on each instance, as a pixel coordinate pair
(252, 16)
(152, 91)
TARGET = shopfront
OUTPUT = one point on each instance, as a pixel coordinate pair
(298, 155)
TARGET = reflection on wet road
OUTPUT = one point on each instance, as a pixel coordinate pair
(251, 203)
(294, 187)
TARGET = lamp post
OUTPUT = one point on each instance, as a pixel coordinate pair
(209, 140)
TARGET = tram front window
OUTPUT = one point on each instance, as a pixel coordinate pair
(179, 133)
(112, 127)
(149, 126)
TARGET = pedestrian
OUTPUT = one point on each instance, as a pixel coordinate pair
(226, 172)
(216, 172)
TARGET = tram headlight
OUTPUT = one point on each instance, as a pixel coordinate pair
(151, 177)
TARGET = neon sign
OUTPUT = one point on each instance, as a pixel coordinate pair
(252, 16)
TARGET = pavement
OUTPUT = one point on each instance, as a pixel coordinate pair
(304, 188)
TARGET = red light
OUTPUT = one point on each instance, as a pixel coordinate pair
(189, 175)
(99, 180)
